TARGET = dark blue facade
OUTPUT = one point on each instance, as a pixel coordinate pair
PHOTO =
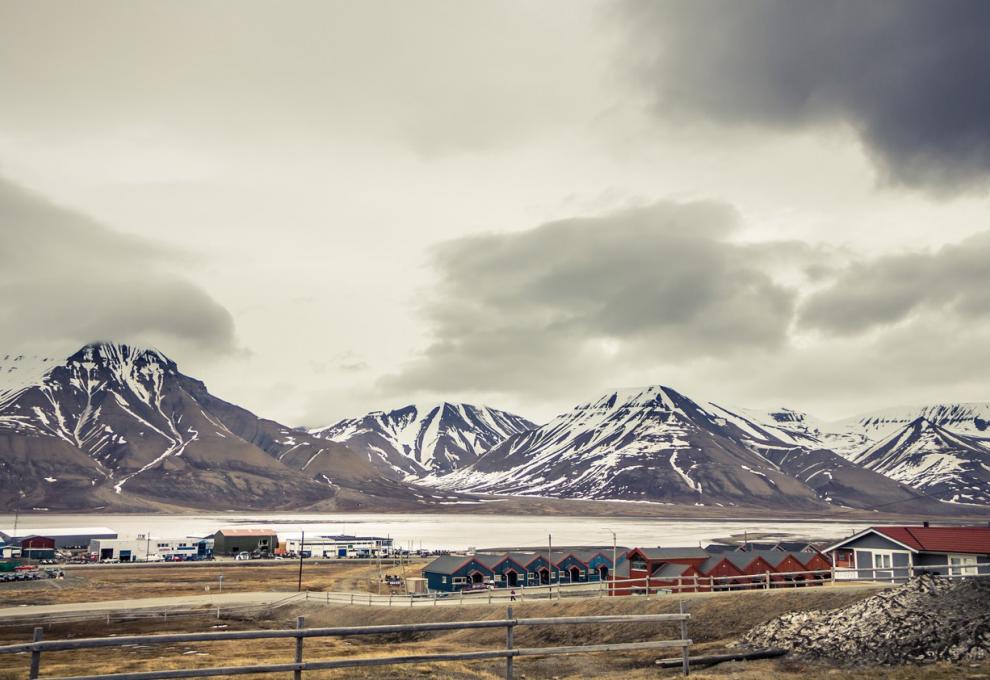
(515, 570)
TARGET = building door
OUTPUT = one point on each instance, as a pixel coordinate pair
(544, 576)
(511, 579)
(575, 574)
(476, 577)
(603, 573)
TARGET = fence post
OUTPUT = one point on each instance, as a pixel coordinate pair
(300, 622)
(39, 633)
(768, 580)
(684, 636)
(508, 643)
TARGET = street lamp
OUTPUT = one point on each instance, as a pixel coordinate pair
(614, 549)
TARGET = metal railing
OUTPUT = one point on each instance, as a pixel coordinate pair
(300, 633)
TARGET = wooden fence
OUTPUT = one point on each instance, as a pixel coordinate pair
(300, 633)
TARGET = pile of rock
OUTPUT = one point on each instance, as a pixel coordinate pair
(925, 620)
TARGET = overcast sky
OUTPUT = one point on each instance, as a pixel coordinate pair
(321, 208)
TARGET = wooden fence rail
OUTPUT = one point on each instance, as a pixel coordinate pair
(300, 633)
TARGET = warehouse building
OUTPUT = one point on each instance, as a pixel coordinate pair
(150, 549)
(38, 548)
(234, 541)
(341, 545)
(73, 537)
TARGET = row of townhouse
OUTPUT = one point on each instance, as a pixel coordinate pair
(518, 569)
(702, 570)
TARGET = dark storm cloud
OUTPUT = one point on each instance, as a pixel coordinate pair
(66, 278)
(911, 76)
(883, 291)
(542, 306)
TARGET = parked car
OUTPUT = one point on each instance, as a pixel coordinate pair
(242, 556)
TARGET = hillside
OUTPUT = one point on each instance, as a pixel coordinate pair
(119, 426)
(417, 440)
(655, 444)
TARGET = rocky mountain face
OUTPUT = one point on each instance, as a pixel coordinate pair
(120, 427)
(948, 465)
(939, 449)
(655, 444)
(417, 440)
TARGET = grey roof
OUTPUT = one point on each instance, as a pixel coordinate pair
(719, 548)
(445, 564)
(795, 546)
(448, 564)
(670, 569)
(755, 547)
(673, 553)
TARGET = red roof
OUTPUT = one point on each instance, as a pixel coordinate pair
(941, 539)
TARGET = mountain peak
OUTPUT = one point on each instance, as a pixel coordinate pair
(118, 353)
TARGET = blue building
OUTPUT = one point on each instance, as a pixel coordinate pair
(517, 569)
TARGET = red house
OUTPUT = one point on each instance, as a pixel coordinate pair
(635, 572)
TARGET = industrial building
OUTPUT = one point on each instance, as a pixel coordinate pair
(146, 548)
(38, 548)
(234, 541)
(73, 537)
(341, 545)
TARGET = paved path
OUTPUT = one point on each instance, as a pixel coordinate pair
(182, 602)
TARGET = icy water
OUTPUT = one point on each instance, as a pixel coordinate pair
(450, 531)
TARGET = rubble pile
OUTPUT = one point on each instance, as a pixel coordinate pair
(927, 619)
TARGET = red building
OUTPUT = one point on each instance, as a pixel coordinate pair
(38, 548)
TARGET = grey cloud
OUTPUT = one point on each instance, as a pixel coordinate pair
(910, 76)
(542, 308)
(886, 290)
(65, 278)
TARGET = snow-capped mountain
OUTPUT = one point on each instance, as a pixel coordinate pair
(418, 439)
(938, 449)
(119, 425)
(655, 444)
(945, 464)
(851, 436)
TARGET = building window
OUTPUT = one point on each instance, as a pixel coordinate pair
(962, 565)
(459, 580)
(638, 564)
(881, 561)
(443, 579)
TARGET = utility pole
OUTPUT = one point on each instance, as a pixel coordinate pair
(302, 547)
(147, 547)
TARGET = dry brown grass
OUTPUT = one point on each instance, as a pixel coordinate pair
(96, 584)
(716, 619)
